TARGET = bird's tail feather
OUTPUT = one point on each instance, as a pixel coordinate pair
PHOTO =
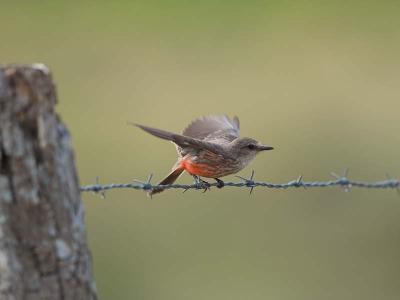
(171, 177)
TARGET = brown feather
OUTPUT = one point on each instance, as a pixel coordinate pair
(171, 177)
(206, 126)
(181, 140)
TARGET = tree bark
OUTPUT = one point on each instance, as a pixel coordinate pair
(43, 248)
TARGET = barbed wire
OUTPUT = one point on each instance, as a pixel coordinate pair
(341, 181)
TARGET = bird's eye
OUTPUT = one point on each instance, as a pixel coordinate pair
(251, 146)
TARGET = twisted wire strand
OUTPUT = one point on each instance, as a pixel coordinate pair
(341, 181)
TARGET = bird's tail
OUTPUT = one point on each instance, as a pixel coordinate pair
(171, 177)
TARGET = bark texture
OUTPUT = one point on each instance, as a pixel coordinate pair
(43, 248)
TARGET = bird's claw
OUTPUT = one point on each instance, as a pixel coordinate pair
(201, 184)
(220, 183)
(204, 185)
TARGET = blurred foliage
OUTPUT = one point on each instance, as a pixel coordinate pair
(318, 80)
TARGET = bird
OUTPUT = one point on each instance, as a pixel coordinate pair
(210, 147)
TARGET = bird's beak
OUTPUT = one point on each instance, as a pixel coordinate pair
(264, 147)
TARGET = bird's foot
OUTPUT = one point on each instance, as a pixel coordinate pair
(201, 184)
(220, 183)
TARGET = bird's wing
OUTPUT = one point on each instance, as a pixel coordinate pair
(182, 140)
(213, 127)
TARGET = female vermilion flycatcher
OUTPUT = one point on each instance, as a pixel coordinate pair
(209, 147)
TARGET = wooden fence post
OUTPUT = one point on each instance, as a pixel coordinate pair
(43, 248)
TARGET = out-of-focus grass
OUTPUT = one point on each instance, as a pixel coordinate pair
(319, 81)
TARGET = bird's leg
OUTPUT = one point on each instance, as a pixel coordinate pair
(204, 184)
(220, 183)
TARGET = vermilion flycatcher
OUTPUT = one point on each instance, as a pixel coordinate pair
(209, 147)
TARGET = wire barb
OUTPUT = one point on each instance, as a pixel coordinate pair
(340, 181)
(146, 185)
(97, 189)
(343, 181)
(248, 181)
(394, 183)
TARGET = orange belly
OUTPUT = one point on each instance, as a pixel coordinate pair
(199, 169)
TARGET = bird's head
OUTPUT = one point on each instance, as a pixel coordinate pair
(247, 148)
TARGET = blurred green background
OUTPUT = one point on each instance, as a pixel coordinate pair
(319, 80)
